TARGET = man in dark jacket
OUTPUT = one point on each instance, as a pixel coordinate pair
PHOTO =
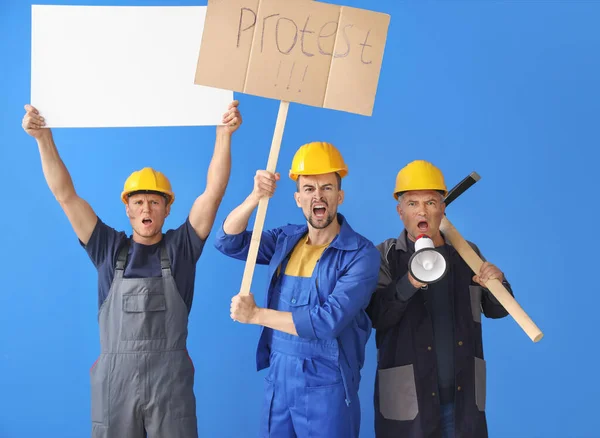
(431, 371)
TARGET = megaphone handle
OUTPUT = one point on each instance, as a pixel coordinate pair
(469, 255)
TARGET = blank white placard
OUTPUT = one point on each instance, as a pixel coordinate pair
(120, 66)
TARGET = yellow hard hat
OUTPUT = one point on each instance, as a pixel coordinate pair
(148, 180)
(317, 158)
(419, 175)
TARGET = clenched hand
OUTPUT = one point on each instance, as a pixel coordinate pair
(243, 309)
(33, 123)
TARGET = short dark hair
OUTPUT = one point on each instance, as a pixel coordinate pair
(337, 177)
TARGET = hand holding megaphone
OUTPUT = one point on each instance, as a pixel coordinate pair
(427, 264)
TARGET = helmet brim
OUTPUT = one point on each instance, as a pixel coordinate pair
(341, 172)
(169, 197)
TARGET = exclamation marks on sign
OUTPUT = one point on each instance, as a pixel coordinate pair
(278, 71)
(291, 76)
(303, 77)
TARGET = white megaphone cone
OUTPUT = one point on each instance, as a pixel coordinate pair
(427, 265)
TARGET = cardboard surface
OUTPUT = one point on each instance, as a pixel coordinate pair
(300, 51)
(354, 73)
(226, 43)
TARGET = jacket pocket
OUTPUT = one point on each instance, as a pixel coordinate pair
(398, 393)
(480, 383)
(476, 292)
(143, 317)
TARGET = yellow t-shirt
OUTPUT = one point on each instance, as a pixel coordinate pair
(304, 258)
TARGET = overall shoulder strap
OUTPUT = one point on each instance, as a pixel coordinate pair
(165, 263)
(122, 257)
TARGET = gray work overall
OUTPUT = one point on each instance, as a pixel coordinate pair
(143, 380)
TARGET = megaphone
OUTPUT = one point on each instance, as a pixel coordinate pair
(427, 265)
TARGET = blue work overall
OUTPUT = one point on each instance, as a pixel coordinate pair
(306, 394)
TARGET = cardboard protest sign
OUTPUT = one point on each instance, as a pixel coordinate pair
(300, 51)
(115, 66)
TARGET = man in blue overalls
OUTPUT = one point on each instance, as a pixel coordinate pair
(143, 380)
(315, 328)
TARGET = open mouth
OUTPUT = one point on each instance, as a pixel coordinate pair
(319, 210)
(423, 226)
(147, 221)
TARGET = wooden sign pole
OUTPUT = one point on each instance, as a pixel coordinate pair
(326, 56)
(262, 205)
(495, 286)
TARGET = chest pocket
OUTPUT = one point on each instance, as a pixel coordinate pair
(143, 316)
(293, 292)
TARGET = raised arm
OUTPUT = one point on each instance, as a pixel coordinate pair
(264, 186)
(78, 211)
(204, 210)
(233, 239)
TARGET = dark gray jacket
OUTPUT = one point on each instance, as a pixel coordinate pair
(406, 399)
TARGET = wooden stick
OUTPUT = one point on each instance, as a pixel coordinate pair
(262, 205)
(495, 286)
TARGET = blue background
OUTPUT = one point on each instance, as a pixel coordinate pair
(506, 88)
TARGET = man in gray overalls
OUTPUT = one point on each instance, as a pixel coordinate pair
(142, 383)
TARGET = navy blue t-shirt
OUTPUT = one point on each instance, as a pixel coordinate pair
(184, 248)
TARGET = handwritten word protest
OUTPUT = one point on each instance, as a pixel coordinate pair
(326, 31)
(306, 52)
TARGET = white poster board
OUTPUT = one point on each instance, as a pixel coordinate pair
(122, 66)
